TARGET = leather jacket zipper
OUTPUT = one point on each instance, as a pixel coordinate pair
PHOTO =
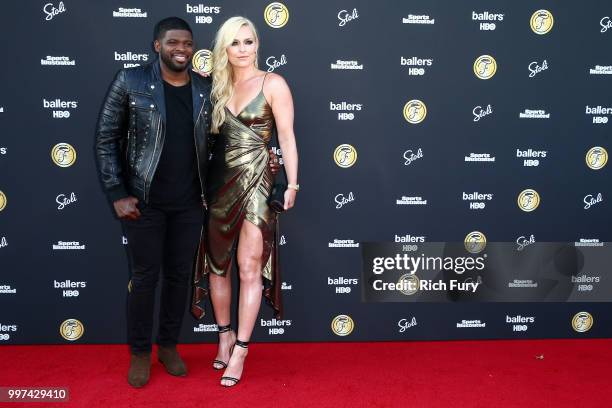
(147, 182)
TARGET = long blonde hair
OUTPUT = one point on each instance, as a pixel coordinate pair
(222, 86)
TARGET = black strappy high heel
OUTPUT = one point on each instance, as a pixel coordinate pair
(245, 345)
(218, 364)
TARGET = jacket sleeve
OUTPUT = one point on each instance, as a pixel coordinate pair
(111, 129)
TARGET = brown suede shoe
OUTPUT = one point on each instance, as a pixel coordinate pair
(140, 368)
(170, 358)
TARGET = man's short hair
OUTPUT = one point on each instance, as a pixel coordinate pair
(170, 23)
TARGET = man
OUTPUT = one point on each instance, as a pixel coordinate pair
(152, 152)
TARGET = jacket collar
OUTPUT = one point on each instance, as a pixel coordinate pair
(157, 89)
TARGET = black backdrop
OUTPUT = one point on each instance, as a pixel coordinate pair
(97, 38)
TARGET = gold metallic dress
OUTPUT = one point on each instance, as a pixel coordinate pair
(239, 184)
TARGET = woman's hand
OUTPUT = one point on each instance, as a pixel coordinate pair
(289, 198)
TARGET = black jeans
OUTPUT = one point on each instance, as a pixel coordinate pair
(161, 239)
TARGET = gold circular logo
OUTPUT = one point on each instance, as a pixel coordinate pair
(276, 15)
(415, 111)
(475, 242)
(410, 283)
(528, 200)
(596, 157)
(63, 155)
(582, 322)
(485, 67)
(202, 61)
(345, 155)
(342, 325)
(541, 21)
(72, 329)
(2, 201)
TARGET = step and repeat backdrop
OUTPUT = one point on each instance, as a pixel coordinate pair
(471, 122)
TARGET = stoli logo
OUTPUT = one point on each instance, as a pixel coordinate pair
(52, 11)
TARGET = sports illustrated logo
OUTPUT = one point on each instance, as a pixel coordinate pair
(273, 63)
(344, 65)
(588, 242)
(528, 200)
(3, 242)
(418, 19)
(345, 155)
(411, 201)
(69, 288)
(129, 13)
(409, 238)
(343, 243)
(49, 60)
(202, 61)
(534, 114)
(341, 200)
(61, 245)
(522, 242)
(276, 15)
(541, 22)
(476, 199)
(479, 112)
(205, 328)
(342, 285)
(475, 242)
(342, 325)
(480, 157)
(605, 24)
(416, 65)
(520, 323)
(415, 111)
(596, 158)
(72, 329)
(344, 16)
(530, 157)
(51, 11)
(485, 67)
(600, 114)
(601, 70)
(582, 322)
(7, 290)
(535, 68)
(523, 283)
(6, 330)
(410, 156)
(63, 154)
(486, 20)
(405, 324)
(590, 200)
(64, 201)
(205, 12)
(585, 283)
(3, 200)
(346, 111)
(59, 108)
(469, 324)
(275, 327)
(131, 59)
(282, 241)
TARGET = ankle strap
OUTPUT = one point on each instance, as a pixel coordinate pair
(243, 344)
(224, 329)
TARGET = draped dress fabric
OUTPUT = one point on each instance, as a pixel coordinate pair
(239, 184)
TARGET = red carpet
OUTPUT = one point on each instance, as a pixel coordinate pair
(573, 373)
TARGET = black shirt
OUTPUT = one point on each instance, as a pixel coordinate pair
(176, 183)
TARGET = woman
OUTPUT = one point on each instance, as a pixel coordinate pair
(248, 105)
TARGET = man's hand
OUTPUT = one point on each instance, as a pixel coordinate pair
(125, 208)
(273, 163)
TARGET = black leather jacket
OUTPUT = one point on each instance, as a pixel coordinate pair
(131, 130)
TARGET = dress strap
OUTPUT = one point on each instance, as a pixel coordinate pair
(264, 80)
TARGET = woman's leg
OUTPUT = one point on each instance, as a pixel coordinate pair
(250, 249)
(221, 297)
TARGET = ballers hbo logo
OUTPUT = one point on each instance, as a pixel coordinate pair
(541, 22)
(475, 242)
(202, 61)
(485, 67)
(596, 158)
(345, 155)
(342, 325)
(63, 154)
(528, 200)
(415, 111)
(72, 329)
(276, 15)
(582, 322)
(2, 201)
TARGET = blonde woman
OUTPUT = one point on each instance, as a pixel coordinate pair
(248, 104)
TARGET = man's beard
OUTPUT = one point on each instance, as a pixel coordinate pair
(167, 60)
